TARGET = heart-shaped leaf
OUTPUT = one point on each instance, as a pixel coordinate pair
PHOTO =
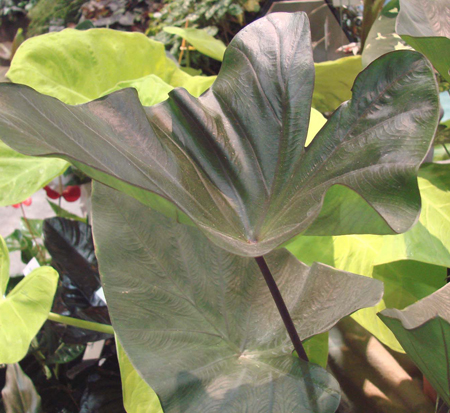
(423, 329)
(24, 310)
(199, 324)
(424, 24)
(234, 160)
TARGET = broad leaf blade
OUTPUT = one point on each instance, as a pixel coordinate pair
(191, 315)
(19, 394)
(22, 175)
(423, 329)
(246, 179)
(78, 66)
(24, 311)
(424, 24)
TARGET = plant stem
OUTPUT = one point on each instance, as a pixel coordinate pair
(27, 223)
(76, 322)
(287, 320)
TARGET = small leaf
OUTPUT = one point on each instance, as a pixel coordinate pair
(21, 176)
(138, 396)
(24, 311)
(62, 213)
(423, 330)
(19, 394)
(424, 24)
(191, 315)
(201, 40)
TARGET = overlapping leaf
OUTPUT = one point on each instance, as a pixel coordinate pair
(411, 265)
(24, 309)
(234, 159)
(199, 323)
(423, 330)
(21, 176)
(424, 24)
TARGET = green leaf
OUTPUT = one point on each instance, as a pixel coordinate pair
(19, 394)
(79, 66)
(21, 176)
(382, 37)
(201, 40)
(62, 213)
(317, 349)
(138, 396)
(423, 24)
(234, 159)
(191, 315)
(333, 82)
(427, 241)
(24, 311)
(424, 332)
(4, 266)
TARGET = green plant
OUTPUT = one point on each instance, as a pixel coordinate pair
(204, 154)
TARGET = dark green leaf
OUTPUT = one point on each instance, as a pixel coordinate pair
(199, 323)
(424, 24)
(423, 330)
(19, 394)
(72, 250)
(234, 160)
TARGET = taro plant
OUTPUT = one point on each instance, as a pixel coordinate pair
(189, 305)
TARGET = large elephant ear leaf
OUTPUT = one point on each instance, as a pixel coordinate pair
(199, 324)
(234, 160)
(423, 329)
(424, 24)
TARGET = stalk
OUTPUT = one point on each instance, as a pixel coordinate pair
(282, 309)
(41, 253)
(76, 322)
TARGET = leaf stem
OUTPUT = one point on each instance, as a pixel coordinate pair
(41, 253)
(76, 322)
(284, 312)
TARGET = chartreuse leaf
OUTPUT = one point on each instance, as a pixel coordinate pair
(4, 266)
(76, 66)
(21, 176)
(424, 332)
(24, 309)
(138, 396)
(333, 82)
(233, 160)
(382, 37)
(201, 40)
(411, 265)
(199, 324)
(424, 25)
